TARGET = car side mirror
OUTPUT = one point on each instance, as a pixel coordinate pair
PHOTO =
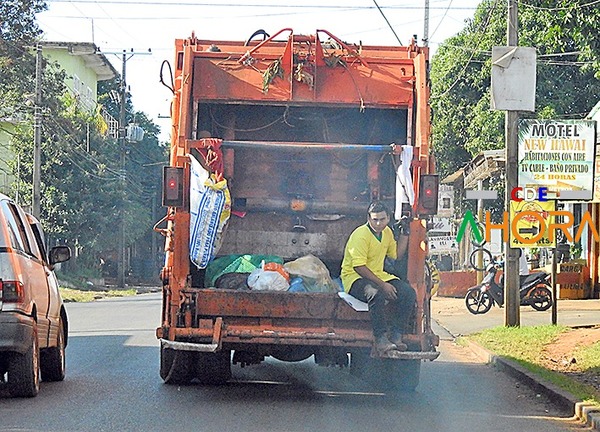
(59, 254)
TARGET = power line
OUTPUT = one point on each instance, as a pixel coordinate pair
(482, 28)
(553, 9)
(441, 21)
(388, 23)
(256, 5)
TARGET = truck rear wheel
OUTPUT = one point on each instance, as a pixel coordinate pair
(213, 368)
(388, 375)
(176, 367)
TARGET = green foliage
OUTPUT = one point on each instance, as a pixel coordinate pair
(85, 188)
(568, 46)
(18, 19)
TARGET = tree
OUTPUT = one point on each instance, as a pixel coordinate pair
(82, 181)
(81, 170)
(18, 30)
(568, 45)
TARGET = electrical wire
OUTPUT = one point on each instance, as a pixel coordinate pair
(482, 29)
(553, 9)
(256, 5)
(441, 20)
(388, 23)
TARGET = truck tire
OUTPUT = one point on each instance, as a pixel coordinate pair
(387, 375)
(52, 360)
(213, 368)
(24, 370)
(176, 367)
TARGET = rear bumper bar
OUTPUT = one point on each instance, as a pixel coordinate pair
(238, 337)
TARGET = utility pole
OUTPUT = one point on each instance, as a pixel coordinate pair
(426, 25)
(121, 260)
(511, 278)
(121, 263)
(37, 135)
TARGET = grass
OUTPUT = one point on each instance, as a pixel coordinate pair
(75, 280)
(75, 295)
(525, 346)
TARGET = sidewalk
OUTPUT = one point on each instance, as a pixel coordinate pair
(452, 315)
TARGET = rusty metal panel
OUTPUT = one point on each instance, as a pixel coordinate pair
(379, 86)
(265, 304)
(286, 244)
(328, 235)
(224, 80)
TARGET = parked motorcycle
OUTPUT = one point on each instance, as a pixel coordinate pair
(534, 291)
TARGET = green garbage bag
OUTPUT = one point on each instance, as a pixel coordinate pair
(235, 264)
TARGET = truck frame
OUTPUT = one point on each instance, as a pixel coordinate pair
(308, 130)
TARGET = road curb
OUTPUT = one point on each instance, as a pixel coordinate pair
(590, 415)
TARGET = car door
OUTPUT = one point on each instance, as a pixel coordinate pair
(54, 298)
(32, 267)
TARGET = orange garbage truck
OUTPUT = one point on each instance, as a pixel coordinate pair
(278, 145)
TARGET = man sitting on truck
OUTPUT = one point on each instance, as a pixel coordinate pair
(364, 278)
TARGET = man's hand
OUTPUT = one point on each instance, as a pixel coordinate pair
(389, 290)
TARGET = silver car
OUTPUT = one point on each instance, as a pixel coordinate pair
(33, 320)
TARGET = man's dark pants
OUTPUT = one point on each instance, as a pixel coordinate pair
(401, 308)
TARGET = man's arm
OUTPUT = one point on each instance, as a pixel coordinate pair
(402, 245)
(403, 231)
(388, 289)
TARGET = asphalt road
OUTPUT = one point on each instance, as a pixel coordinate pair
(113, 384)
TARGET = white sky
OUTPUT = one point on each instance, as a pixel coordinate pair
(115, 25)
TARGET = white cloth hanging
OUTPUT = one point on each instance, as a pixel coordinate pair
(405, 192)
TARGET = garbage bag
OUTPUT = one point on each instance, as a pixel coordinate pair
(314, 274)
(233, 281)
(235, 264)
(266, 280)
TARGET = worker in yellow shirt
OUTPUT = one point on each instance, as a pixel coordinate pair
(364, 278)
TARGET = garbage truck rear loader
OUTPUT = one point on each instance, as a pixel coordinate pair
(305, 131)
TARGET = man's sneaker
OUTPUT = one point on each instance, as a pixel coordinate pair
(383, 345)
(397, 340)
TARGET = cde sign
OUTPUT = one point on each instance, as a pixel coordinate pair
(519, 194)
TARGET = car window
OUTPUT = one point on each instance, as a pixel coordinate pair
(39, 239)
(8, 236)
(16, 228)
(29, 236)
(16, 238)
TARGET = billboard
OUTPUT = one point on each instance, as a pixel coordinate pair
(559, 155)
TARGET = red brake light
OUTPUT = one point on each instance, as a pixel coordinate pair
(11, 291)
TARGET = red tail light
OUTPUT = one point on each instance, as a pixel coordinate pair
(11, 291)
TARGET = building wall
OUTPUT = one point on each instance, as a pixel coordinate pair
(6, 177)
(82, 81)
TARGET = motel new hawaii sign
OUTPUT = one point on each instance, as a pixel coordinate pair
(556, 162)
